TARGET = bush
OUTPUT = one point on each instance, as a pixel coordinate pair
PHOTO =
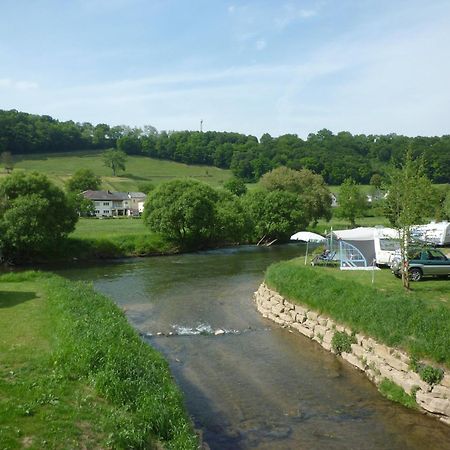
(342, 342)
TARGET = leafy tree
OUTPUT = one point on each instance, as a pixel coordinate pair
(446, 206)
(7, 161)
(146, 187)
(182, 210)
(35, 215)
(275, 215)
(83, 180)
(115, 159)
(408, 203)
(82, 205)
(352, 202)
(310, 188)
(376, 181)
(236, 186)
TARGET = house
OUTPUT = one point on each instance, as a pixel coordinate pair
(115, 204)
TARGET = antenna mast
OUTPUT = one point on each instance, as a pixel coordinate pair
(201, 126)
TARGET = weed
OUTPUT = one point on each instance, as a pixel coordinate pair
(395, 393)
(342, 342)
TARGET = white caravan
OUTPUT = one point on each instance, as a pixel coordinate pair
(437, 233)
(377, 244)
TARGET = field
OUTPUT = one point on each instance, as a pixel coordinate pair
(107, 228)
(139, 169)
(74, 374)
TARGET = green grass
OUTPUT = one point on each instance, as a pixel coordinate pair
(107, 228)
(74, 374)
(61, 166)
(341, 224)
(395, 393)
(418, 322)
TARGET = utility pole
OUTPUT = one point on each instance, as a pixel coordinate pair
(201, 126)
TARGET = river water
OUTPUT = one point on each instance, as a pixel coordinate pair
(247, 382)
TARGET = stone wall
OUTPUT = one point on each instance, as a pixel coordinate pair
(376, 360)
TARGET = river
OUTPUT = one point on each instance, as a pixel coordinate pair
(247, 382)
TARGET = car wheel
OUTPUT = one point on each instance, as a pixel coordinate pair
(415, 274)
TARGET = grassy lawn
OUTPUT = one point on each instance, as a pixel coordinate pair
(341, 224)
(38, 408)
(60, 166)
(74, 374)
(418, 321)
(106, 228)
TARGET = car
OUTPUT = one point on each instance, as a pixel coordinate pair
(424, 262)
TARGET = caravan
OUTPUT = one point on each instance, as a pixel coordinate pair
(437, 233)
(377, 244)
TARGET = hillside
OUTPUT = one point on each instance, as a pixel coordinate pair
(139, 169)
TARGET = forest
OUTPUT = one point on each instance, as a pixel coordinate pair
(335, 156)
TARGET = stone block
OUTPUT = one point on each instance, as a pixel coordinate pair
(277, 309)
(312, 315)
(440, 391)
(326, 345)
(385, 371)
(396, 363)
(328, 337)
(368, 344)
(300, 309)
(331, 324)
(353, 360)
(358, 351)
(446, 380)
(319, 329)
(382, 351)
(403, 380)
(310, 324)
(278, 298)
(288, 306)
(302, 329)
(322, 321)
(293, 314)
(433, 404)
(286, 317)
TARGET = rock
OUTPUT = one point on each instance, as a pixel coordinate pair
(219, 332)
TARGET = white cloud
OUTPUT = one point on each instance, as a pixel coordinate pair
(290, 14)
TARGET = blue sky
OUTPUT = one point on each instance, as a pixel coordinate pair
(365, 66)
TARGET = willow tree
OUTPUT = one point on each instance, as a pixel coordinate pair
(409, 202)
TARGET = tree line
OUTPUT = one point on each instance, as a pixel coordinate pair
(336, 157)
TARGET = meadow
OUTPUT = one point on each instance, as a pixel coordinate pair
(139, 169)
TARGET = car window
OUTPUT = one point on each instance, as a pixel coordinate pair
(436, 254)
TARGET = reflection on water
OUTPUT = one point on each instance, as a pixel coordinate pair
(247, 382)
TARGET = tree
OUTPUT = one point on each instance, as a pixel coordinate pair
(236, 186)
(83, 180)
(376, 181)
(352, 202)
(82, 205)
(35, 216)
(276, 215)
(115, 159)
(182, 210)
(446, 206)
(146, 187)
(7, 161)
(314, 196)
(407, 203)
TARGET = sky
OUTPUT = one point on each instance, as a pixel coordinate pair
(364, 66)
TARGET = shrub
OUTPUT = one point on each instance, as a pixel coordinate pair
(342, 342)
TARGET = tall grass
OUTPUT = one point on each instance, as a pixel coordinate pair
(395, 318)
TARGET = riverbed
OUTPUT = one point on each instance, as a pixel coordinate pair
(247, 382)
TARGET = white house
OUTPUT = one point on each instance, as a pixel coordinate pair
(115, 204)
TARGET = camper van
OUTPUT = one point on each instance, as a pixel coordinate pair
(377, 244)
(437, 233)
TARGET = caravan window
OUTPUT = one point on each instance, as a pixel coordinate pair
(389, 245)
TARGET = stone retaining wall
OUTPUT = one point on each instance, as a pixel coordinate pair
(376, 360)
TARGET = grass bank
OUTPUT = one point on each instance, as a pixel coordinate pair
(74, 374)
(418, 322)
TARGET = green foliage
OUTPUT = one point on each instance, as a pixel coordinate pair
(146, 187)
(115, 159)
(376, 180)
(82, 205)
(446, 206)
(236, 186)
(342, 342)
(314, 196)
(395, 393)
(352, 202)
(83, 180)
(7, 161)
(275, 214)
(182, 210)
(335, 156)
(35, 215)
(393, 317)
(429, 374)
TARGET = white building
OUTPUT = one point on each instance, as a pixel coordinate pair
(115, 204)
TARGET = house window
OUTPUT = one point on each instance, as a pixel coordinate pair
(97, 211)
(97, 203)
(105, 203)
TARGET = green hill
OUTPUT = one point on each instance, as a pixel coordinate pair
(139, 169)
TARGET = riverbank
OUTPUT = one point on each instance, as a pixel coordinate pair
(74, 372)
(398, 340)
